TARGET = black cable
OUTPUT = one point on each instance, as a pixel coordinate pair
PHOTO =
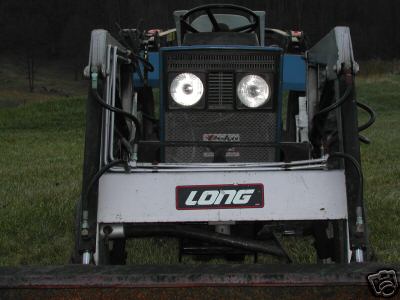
(338, 103)
(104, 169)
(360, 195)
(136, 42)
(329, 108)
(372, 116)
(146, 64)
(97, 176)
(364, 139)
(357, 166)
(363, 127)
(138, 71)
(372, 119)
(124, 141)
(119, 111)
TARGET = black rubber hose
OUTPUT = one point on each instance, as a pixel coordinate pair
(97, 176)
(364, 139)
(335, 105)
(357, 166)
(119, 111)
(372, 116)
(146, 64)
(138, 71)
(360, 195)
(124, 141)
(363, 127)
(339, 102)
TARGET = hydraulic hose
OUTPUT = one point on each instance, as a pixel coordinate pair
(359, 213)
(85, 225)
(119, 111)
(97, 176)
(356, 166)
(335, 105)
(326, 110)
(363, 127)
(146, 64)
(372, 116)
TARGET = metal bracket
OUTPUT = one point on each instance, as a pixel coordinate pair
(335, 51)
(302, 121)
(99, 42)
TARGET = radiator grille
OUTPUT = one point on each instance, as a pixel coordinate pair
(191, 126)
(220, 90)
(220, 62)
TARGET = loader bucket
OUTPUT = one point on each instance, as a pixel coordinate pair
(194, 282)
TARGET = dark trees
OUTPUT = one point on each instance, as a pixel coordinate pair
(60, 27)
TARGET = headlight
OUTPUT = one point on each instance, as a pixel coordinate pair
(186, 89)
(253, 91)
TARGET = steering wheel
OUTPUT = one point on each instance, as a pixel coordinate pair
(209, 10)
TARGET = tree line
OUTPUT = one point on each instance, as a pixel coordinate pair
(61, 28)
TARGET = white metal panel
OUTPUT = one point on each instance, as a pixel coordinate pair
(289, 195)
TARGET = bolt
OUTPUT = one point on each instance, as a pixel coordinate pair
(107, 230)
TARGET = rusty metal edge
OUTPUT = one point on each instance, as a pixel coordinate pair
(183, 276)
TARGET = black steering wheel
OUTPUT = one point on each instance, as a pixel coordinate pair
(209, 10)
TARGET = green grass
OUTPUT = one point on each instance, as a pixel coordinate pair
(41, 146)
(40, 174)
(381, 163)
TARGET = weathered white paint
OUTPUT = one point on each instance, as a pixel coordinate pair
(288, 195)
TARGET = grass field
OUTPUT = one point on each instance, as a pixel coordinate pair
(41, 146)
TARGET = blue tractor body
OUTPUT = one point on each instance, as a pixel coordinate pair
(253, 138)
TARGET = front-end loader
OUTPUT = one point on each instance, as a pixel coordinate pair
(238, 141)
(254, 137)
(227, 136)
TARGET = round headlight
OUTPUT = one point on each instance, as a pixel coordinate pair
(186, 89)
(253, 91)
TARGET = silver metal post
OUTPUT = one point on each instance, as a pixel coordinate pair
(359, 255)
(86, 257)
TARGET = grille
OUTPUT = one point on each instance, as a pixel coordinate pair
(220, 62)
(220, 117)
(220, 90)
(193, 125)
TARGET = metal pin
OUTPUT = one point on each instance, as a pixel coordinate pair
(359, 255)
(85, 224)
(86, 258)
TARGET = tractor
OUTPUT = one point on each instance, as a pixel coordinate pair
(225, 135)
